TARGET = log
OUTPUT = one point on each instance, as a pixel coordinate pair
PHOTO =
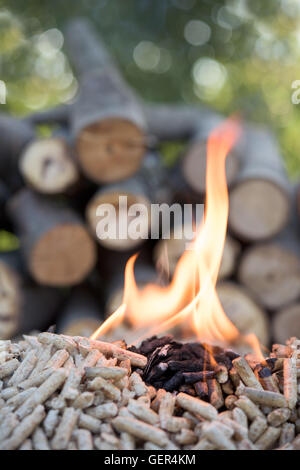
(39, 307)
(259, 203)
(10, 296)
(136, 192)
(55, 244)
(243, 311)
(194, 161)
(48, 166)
(82, 314)
(144, 274)
(167, 253)
(107, 120)
(15, 135)
(286, 323)
(271, 271)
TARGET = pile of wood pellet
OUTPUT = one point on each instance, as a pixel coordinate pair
(60, 392)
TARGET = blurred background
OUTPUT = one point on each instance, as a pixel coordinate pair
(232, 55)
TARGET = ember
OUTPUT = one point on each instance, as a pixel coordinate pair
(193, 368)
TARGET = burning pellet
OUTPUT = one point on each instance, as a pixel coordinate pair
(268, 439)
(59, 341)
(51, 422)
(24, 429)
(41, 394)
(196, 406)
(127, 441)
(142, 412)
(234, 377)
(290, 381)
(141, 430)
(275, 363)
(215, 393)
(215, 433)
(201, 389)
(89, 422)
(84, 400)
(107, 410)
(112, 392)
(8, 368)
(287, 433)
(193, 377)
(278, 416)
(227, 388)
(251, 410)
(266, 379)
(113, 373)
(240, 417)
(65, 428)
(263, 397)
(39, 440)
(84, 439)
(257, 427)
(137, 385)
(186, 437)
(24, 369)
(125, 364)
(221, 374)
(246, 373)
(230, 401)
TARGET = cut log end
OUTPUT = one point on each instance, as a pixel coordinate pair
(110, 150)
(194, 167)
(121, 215)
(9, 302)
(48, 167)
(259, 209)
(286, 323)
(242, 310)
(63, 256)
(272, 274)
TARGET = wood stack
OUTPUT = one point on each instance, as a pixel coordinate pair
(105, 145)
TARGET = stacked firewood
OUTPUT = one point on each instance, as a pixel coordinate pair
(104, 145)
(61, 392)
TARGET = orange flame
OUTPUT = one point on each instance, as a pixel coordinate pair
(191, 295)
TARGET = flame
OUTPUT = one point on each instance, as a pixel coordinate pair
(191, 295)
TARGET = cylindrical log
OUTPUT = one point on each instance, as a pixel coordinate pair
(114, 226)
(259, 203)
(47, 165)
(144, 274)
(107, 120)
(9, 296)
(272, 273)
(286, 323)
(15, 135)
(56, 245)
(81, 316)
(39, 308)
(194, 161)
(242, 310)
(168, 251)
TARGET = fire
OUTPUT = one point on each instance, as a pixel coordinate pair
(191, 295)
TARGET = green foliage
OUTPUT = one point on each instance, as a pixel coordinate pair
(232, 55)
